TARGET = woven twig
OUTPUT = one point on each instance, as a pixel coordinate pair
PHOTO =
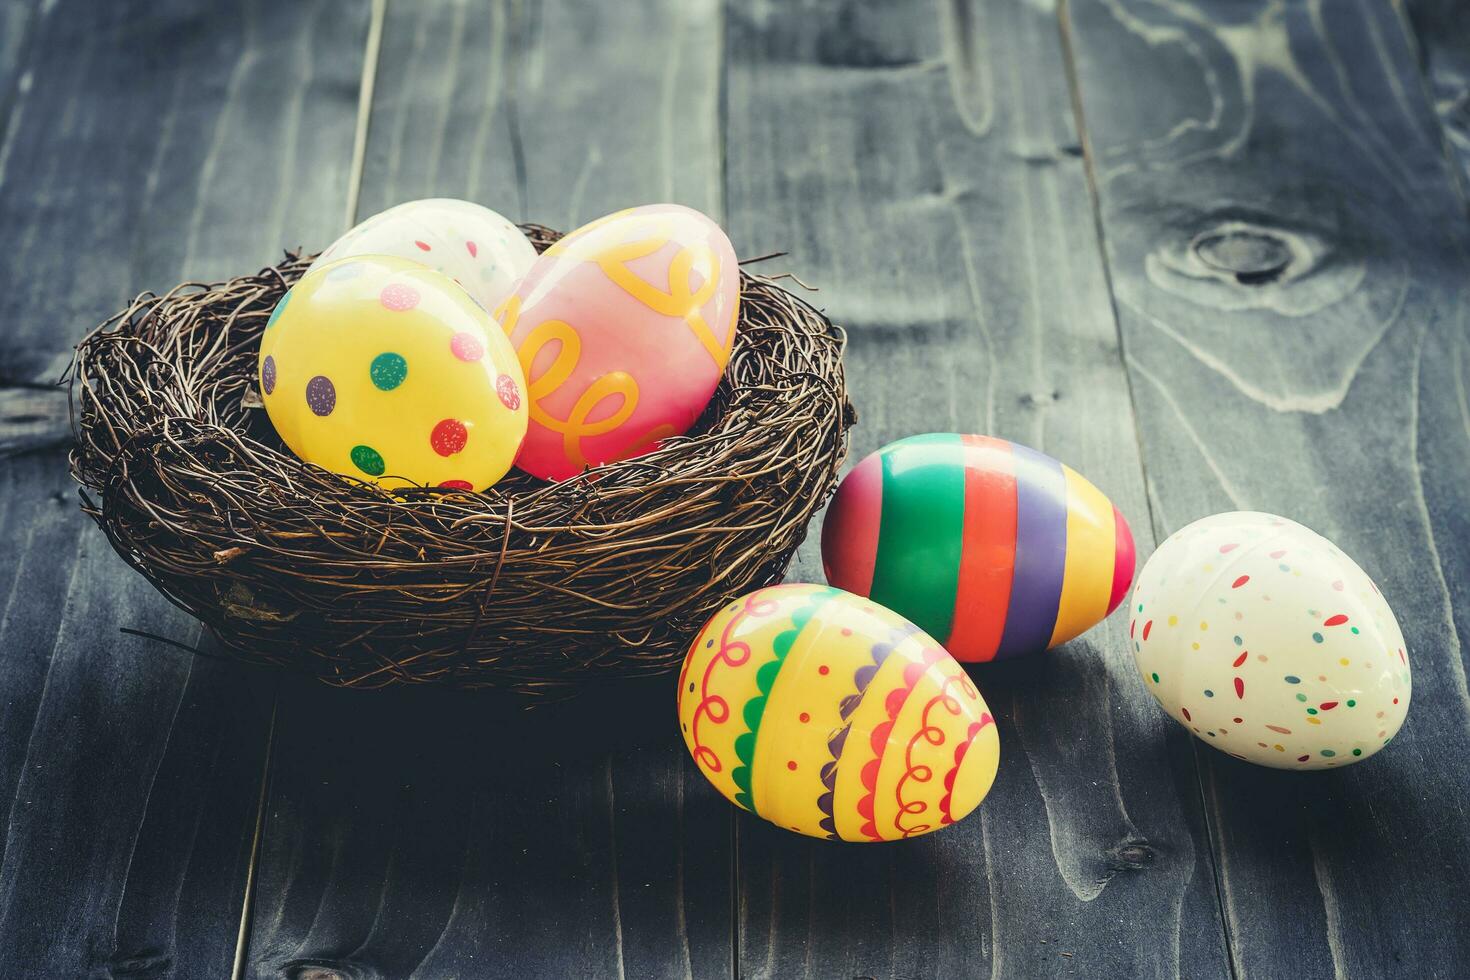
(530, 585)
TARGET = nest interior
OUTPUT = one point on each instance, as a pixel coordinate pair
(530, 585)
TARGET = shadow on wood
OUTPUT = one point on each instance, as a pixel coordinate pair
(432, 833)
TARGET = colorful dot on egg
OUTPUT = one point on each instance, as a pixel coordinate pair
(398, 296)
(824, 670)
(472, 248)
(367, 459)
(466, 346)
(268, 374)
(509, 392)
(1292, 679)
(388, 371)
(1301, 697)
(1351, 703)
(804, 717)
(1317, 637)
(1155, 677)
(791, 764)
(422, 246)
(456, 485)
(321, 395)
(1328, 753)
(449, 437)
(1357, 751)
(1209, 693)
(280, 308)
(1173, 620)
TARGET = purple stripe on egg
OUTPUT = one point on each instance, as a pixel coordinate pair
(1041, 553)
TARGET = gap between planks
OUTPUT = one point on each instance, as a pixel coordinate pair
(1089, 166)
(374, 47)
(371, 50)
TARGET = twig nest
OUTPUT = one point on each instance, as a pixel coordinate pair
(530, 585)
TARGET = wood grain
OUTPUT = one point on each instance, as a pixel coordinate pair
(922, 166)
(143, 144)
(423, 834)
(33, 418)
(1289, 261)
(1442, 29)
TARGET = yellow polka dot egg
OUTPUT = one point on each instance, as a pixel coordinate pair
(1267, 642)
(827, 714)
(381, 369)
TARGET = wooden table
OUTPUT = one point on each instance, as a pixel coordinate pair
(1213, 254)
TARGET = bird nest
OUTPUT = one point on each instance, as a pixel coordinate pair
(529, 585)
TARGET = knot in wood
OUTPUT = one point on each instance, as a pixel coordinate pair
(1135, 854)
(1253, 255)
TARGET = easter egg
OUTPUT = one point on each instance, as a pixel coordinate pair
(1266, 641)
(382, 369)
(829, 715)
(623, 328)
(474, 246)
(996, 549)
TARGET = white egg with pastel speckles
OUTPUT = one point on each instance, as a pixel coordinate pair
(1266, 641)
(476, 247)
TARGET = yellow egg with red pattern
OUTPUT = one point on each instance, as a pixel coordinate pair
(381, 369)
(827, 714)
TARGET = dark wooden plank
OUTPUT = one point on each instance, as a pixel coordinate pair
(131, 775)
(16, 19)
(1330, 390)
(33, 418)
(129, 772)
(428, 834)
(922, 166)
(1442, 28)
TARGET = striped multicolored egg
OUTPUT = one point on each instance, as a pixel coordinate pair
(827, 714)
(1266, 641)
(476, 247)
(382, 369)
(624, 328)
(996, 549)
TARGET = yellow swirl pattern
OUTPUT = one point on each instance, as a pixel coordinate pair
(683, 300)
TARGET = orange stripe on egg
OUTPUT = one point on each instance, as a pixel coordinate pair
(988, 552)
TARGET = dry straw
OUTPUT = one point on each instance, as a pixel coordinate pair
(530, 585)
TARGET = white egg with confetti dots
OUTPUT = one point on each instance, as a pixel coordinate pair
(476, 247)
(1266, 641)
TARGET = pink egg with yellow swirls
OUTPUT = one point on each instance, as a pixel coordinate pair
(623, 329)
